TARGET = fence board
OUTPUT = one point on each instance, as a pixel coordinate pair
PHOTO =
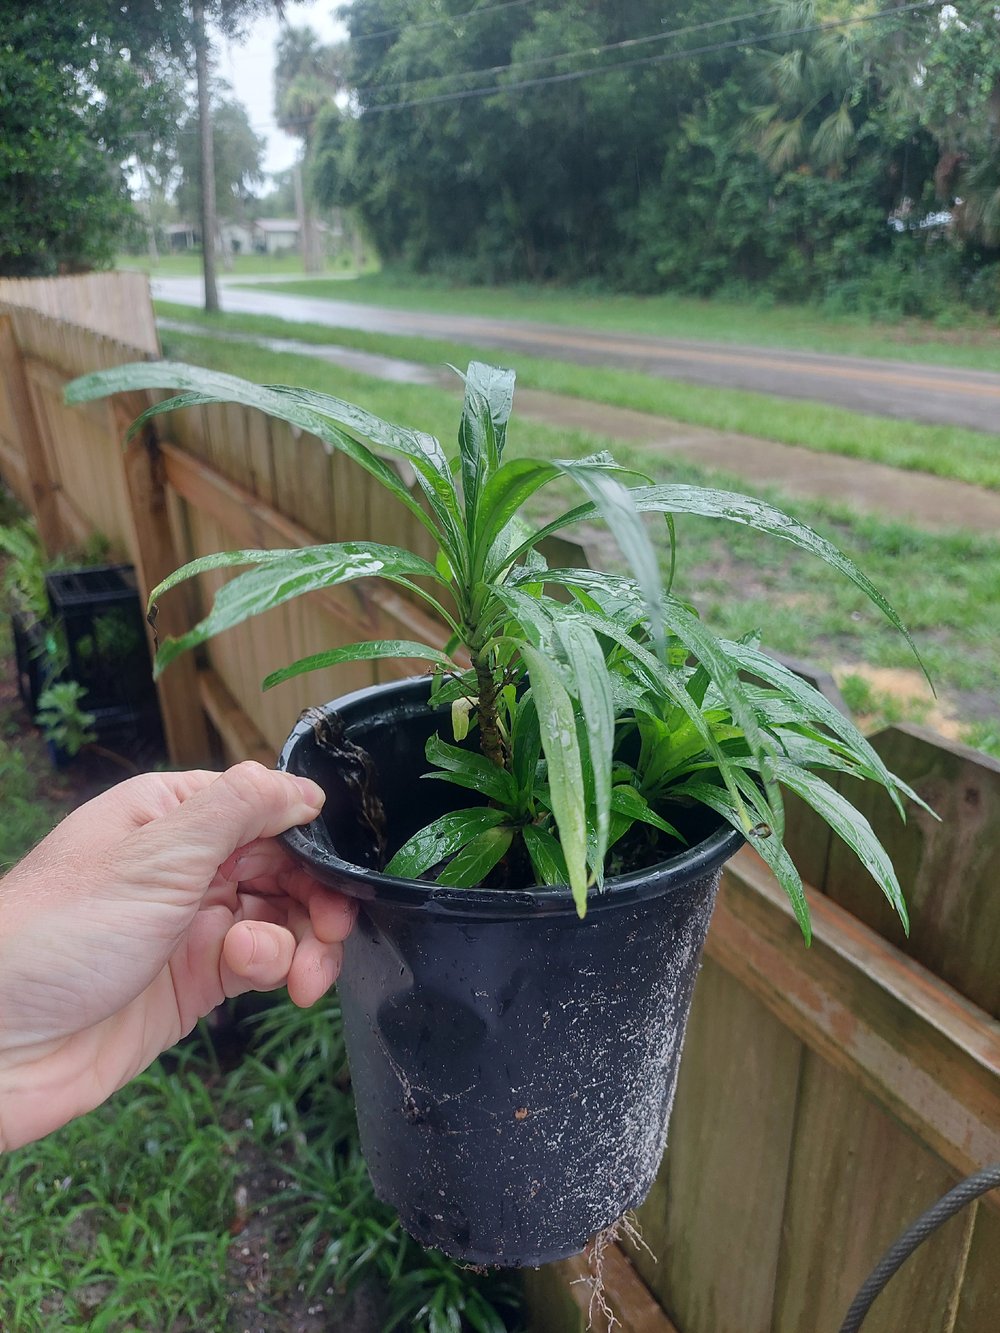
(978, 1301)
(928, 1055)
(948, 870)
(24, 427)
(115, 304)
(722, 1185)
(857, 1180)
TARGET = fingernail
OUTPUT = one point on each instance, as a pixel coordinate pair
(265, 946)
(311, 791)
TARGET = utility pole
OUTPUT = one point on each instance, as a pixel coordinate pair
(207, 157)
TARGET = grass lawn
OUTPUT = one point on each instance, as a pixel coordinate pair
(187, 264)
(973, 342)
(943, 451)
(946, 587)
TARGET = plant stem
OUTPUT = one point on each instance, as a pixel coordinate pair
(490, 739)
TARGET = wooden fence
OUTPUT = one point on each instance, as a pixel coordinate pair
(116, 304)
(826, 1096)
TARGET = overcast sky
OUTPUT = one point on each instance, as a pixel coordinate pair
(249, 68)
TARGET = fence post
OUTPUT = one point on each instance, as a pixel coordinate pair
(155, 557)
(43, 486)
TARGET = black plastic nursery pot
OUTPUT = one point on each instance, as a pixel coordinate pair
(513, 1066)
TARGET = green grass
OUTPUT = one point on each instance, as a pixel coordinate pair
(119, 1221)
(945, 586)
(944, 451)
(974, 343)
(187, 264)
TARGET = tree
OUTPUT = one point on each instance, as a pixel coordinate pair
(238, 153)
(307, 75)
(84, 88)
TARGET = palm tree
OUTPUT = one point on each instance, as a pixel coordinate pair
(307, 76)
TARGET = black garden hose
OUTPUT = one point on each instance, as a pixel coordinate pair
(896, 1255)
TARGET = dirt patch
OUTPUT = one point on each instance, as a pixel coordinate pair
(264, 1295)
(899, 691)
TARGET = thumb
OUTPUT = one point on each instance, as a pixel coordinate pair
(245, 803)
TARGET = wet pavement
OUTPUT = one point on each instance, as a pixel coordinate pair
(942, 395)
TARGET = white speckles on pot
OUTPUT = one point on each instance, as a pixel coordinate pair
(514, 1085)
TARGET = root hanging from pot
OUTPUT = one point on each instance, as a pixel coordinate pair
(598, 1307)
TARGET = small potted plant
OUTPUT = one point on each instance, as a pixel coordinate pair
(535, 827)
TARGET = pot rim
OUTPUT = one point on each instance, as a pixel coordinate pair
(355, 881)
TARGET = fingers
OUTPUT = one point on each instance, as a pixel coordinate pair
(187, 845)
(258, 955)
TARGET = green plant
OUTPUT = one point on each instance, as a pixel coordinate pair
(24, 573)
(63, 720)
(603, 703)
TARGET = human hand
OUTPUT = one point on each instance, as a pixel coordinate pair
(139, 914)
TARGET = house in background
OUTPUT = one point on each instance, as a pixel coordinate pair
(181, 236)
(275, 236)
(237, 238)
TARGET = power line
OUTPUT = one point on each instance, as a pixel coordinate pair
(662, 58)
(628, 43)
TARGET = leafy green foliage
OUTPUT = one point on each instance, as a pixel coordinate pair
(600, 702)
(765, 151)
(83, 85)
(63, 719)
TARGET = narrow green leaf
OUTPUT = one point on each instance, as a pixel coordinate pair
(616, 506)
(480, 773)
(546, 855)
(526, 743)
(502, 497)
(849, 825)
(592, 685)
(203, 386)
(820, 709)
(476, 859)
(440, 839)
(371, 651)
(565, 769)
(697, 637)
(304, 570)
(770, 848)
(626, 801)
(736, 508)
(489, 393)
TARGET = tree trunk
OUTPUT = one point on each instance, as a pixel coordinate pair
(208, 219)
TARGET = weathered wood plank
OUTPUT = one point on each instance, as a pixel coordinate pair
(722, 1184)
(155, 557)
(251, 523)
(930, 1057)
(237, 732)
(43, 482)
(857, 1181)
(559, 1297)
(978, 1301)
(948, 870)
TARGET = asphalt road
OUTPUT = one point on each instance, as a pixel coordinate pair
(911, 392)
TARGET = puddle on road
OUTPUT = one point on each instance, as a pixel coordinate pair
(390, 368)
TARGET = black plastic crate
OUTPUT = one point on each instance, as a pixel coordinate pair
(101, 616)
(30, 659)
